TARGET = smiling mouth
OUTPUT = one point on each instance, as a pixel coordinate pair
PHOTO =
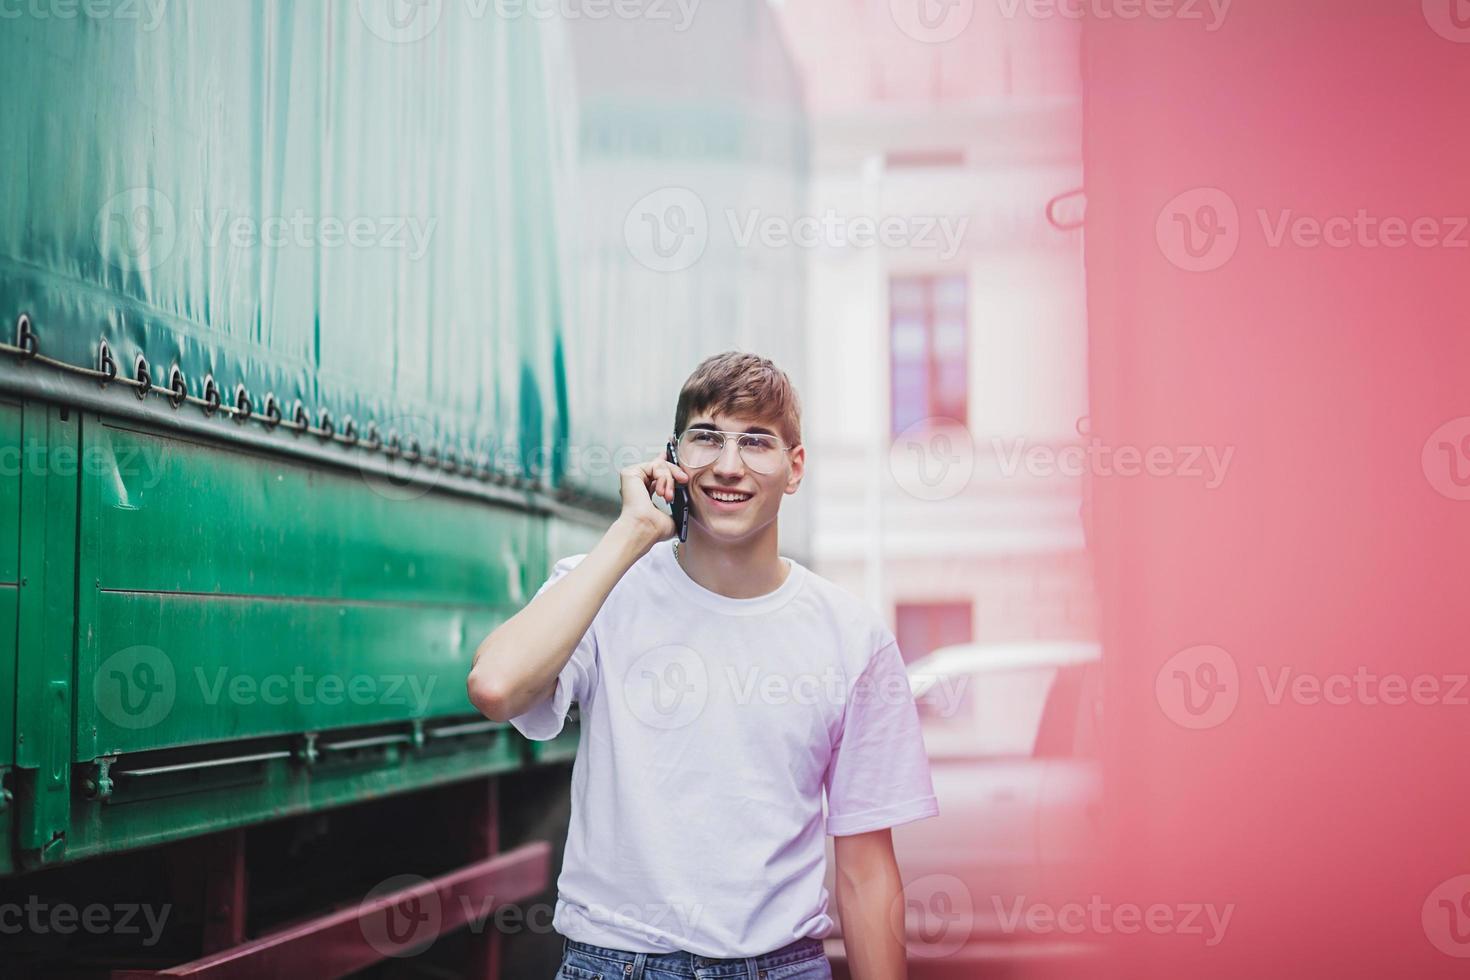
(726, 496)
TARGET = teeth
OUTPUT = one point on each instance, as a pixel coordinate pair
(729, 498)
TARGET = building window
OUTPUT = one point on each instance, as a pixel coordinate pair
(928, 342)
(923, 627)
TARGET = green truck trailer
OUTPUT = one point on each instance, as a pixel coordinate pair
(323, 336)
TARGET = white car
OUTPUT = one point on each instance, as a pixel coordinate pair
(1006, 869)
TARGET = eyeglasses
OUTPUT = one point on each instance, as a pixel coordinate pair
(701, 447)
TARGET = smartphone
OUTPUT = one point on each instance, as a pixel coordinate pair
(679, 507)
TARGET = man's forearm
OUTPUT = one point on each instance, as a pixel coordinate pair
(872, 913)
(517, 664)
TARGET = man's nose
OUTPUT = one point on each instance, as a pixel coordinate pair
(729, 461)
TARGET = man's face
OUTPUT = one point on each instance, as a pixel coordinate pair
(730, 476)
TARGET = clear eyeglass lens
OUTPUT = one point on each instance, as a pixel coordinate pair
(701, 447)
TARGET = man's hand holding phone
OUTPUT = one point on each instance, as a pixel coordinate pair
(640, 482)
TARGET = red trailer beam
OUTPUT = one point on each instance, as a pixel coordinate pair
(394, 923)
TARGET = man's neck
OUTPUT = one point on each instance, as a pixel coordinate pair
(736, 570)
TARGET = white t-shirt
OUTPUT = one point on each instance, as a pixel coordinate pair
(710, 728)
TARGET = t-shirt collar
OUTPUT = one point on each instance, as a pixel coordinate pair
(674, 573)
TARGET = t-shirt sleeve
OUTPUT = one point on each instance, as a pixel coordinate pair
(576, 681)
(878, 774)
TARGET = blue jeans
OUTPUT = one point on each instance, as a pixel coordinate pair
(804, 959)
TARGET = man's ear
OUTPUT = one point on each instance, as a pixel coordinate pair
(798, 468)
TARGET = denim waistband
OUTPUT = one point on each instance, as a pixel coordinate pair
(632, 964)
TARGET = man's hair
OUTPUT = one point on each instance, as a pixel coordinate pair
(737, 383)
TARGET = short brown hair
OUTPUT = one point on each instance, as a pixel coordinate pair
(737, 383)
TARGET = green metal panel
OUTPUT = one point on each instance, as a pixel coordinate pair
(228, 595)
(12, 464)
(156, 811)
(46, 631)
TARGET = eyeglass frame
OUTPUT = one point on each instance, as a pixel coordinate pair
(724, 433)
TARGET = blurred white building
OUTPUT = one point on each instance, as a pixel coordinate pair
(938, 290)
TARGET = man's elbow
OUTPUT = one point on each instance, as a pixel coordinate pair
(487, 697)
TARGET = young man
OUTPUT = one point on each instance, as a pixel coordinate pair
(723, 689)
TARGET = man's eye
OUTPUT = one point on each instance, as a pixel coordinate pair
(705, 439)
(757, 444)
